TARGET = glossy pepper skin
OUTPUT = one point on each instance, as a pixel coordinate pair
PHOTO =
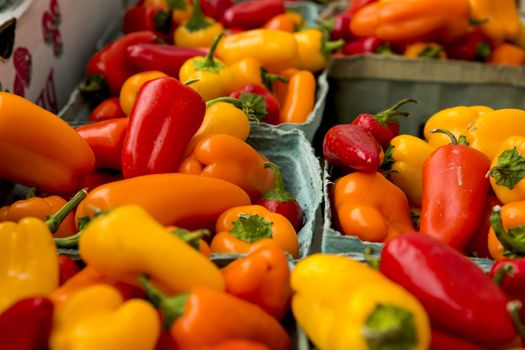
(383, 125)
(198, 30)
(106, 139)
(471, 306)
(404, 21)
(340, 28)
(238, 228)
(262, 278)
(215, 8)
(107, 109)
(504, 18)
(164, 118)
(180, 269)
(505, 234)
(228, 158)
(235, 345)
(352, 146)
(408, 153)
(344, 304)
(252, 14)
(46, 153)
(184, 200)
(132, 85)
(273, 110)
(299, 101)
(110, 62)
(314, 49)
(512, 282)
(28, 260)
(26, 325)
(454, 193)
(204, 316)
(371, 207)
(164, 58)
(478, 244)
(278, 200)
(132, 324)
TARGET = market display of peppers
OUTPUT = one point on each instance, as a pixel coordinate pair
(158, 225)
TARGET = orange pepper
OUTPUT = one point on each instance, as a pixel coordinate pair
(371, 207)
(287, 22)
(132, 85)
(250, 71)
(506, 231)
(231, 159)
(238, 228)
(280, 88)
(508, 54)
(262, 278)
(300, 98)
(424, 50)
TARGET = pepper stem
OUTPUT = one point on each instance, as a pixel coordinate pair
(191, 237)
(372, 261)
(208, 63)
(278, 193)
(453, 139)
(507, 239)
(234, 101)
(54, 221)
(197, 20)
(68, 242)
(513, 308)
(251, 228)
(171, 307)
(390, 326)
(267, 78)
(388, 115)
(506, 269)
(330, 46)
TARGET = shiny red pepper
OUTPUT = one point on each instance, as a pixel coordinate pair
(444, 341)
(165, 58)
(105, 139)
(362, 46)
(215, 8)
(67, 268)
(26, 324)
(252, 13)
(455, 190)
(164, 118)
(153, 18)
(110, 66)
(457, 295)
(473, 46)
(107, 109)
(273, 109)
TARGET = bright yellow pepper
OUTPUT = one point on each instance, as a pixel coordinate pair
(455, 120)
(314, 49)
(132, 85)
(28, 260)
(508, 170)
(214, 79)
(127, 242)
(488, 131)
(97, 318)
(503, 18)
(343, 304)
(408, 154)
(198, 30)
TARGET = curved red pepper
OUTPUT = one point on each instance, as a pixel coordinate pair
(457, 295)
(455, 190)
(252, 13)
(164, 118)
(107, 109)
(105, 139)
(273, 109)
(164, 58)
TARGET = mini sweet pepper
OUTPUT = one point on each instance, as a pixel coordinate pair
(198, 30)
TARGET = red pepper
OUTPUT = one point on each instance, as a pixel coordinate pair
(455, 191)
(215, 8)
(278, 200)
(352, 146)
(105, 139)
(478, 245)
(164, 118)
(152, 18)
(67, 268)
(457, 295)
(443, 341)
(110, 66)
(356, 5)
(273, 109)
(252, 13)
(384, 126)
(362, 46)
(340, 29)
(164, 58)
(107, 109)
(509, 274)
(26, 324)
(473, 46)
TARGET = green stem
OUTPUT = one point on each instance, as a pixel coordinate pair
(390, 327)
(197, 20)
(513, 307)
(388, 115)
(68, 242)
(330, 46)
(251, 228)
(278, 193)
(208, 63)
(430, 52)
(234, 101)
(54, 221)
(506, 270)
(191, 81)
(453, 139)
(267, 78)
(371, 260)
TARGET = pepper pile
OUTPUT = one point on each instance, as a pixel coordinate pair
(473, 30)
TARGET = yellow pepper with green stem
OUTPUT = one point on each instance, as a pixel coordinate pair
(343, 304)
(198, 31)
(314, 50)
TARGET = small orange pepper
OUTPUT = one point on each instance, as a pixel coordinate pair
(280, 88)
(507, 231)
(508, 54)
(300, 98)
(128, 92)
(287, 22)
(424, 50)
(238, 228)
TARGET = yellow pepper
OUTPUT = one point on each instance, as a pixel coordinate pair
(343, 304)
(98, 318)
(488, 131)
(132, 85)
(274, 49)
(28, 260)
(198, 30)
(127, 242)
(408, 154)
(455, 120)
(508, 170)
(213, 78)
(314, 49)
(503, 18)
